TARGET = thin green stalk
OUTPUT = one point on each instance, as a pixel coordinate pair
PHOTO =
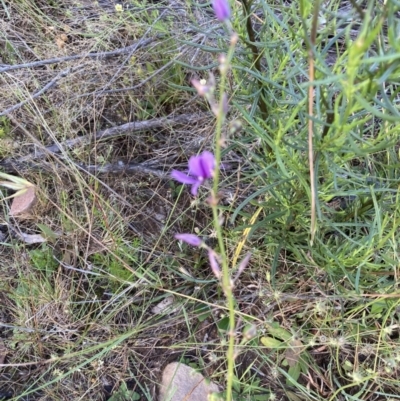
(226, 279)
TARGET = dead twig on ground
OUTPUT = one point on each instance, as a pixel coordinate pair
(128, 168)
(100, 55)
(124, 129)
(130, 88)
(113, 132)
(49, 85)
(11, 167)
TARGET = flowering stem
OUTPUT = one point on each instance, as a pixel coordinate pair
(226, 279)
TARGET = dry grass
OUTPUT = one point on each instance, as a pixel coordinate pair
(68, 305)
(76, 318)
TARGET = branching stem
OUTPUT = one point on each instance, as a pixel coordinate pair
(256, 57)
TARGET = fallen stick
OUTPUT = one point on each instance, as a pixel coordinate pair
(100, 55)
(40, 92)
(119, 130)
(128, 168)
(124, 129)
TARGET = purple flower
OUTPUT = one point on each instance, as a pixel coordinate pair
(222, 9)
(200, 169)
(190, 239)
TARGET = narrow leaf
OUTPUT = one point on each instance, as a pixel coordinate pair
(271, 342)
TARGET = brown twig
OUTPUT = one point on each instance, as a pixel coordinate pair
(129, 88)
(256, 57)
(100, 55)
(49, 85)
(128, 168)
(125, 129)
(12, 167)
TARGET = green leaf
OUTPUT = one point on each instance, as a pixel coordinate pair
(47, 232)
(42, 259)
(275, 330)
(202, 312)
(223, 324)
(271, 342)
(294, 373)
(236, 384)
(123, 394)
(294, 397)
(378, 307)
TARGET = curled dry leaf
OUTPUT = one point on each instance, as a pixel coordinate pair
(164, 306)
(23, 202)
(32, 238)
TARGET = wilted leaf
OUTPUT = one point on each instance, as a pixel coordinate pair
(13, 182)
(185, 271)
(271, 342)
(293, 352)
(23, 202)
(32, 238)
(162, 306)
(181, 382)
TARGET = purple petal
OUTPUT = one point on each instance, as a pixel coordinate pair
(208, 164)
(195, 166)
(190, 239)
(195, 188)
(182, 177)
(202, 166)
(221, 9)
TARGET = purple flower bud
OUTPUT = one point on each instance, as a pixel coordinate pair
(190, 239)
(212, 257)
(202, 89)
(243, 264)
(222, 9)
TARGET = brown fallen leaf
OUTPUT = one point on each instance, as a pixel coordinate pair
(163, 305)
(61, 40)
(181, 382)
(293, 352)
(23, 203)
